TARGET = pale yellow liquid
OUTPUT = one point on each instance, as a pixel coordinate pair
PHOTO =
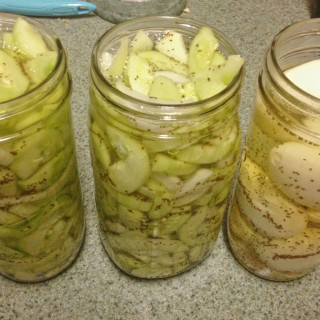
(274, 220)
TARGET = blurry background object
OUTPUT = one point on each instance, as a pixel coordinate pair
(120, 10)
(315, 8)
(47, 7)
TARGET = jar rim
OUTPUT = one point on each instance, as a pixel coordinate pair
(10, 107)
(171, 107)
(311, 102)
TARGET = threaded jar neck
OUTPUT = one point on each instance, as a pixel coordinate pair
(293, 46)
(155, 26)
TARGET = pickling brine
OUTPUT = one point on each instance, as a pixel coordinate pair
(163, 155)
(41, 214)
(274, 219)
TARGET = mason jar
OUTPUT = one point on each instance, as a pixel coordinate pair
(162, 171)
(274, 219)
(41, 213)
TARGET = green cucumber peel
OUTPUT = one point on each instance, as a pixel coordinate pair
(132, 169)
(210, 150)
(35, 150)
(47, 174)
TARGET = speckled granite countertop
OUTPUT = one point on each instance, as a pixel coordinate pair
(219, 288)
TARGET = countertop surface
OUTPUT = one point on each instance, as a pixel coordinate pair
(218, 288)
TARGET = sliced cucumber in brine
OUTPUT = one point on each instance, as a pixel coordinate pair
(39, 68)
(28, 39)
(117, 66)
(47, 174)
(201, 51)
(139, 73)
(164, 88)
(34, 150)
(13, 82)
(172, 45)
(212, 149)
(5, 157)
(141, 42)
(160, 61)
(132, 169)
(8, 183)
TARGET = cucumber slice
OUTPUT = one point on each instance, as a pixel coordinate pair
(102, 150)
(34, 243)
(230, 69)
(172, 182)
(8, 183)
(198, 181)
(162, 201)
(114, 227)
(188, 92)
(13, 82)
(191, 198)
(154, 270)
(299, 178)
(172, 45)
(39, 68)
(313, 215)
(27, 226)
(179, 260)
(208, 87)
(164, 88)
(135, 201)
(199, 251)
(47, 174)
(173, 222)
(177, 78)
(107, 206)
(117, 66)
(201, 51)
(41, 112)
(165, 164)
(160, 61)
(24, 210)
(7, 218)
(132, 170)
(268, 210)
(35, 150)
(128, 262)
(141, 42)
(5, 157)
(217, 59)
(296, 254)
(214, 79)
(9, 45)
(132, 242)
(139, 73)
(212, 149)
(121, 86)
(28, 39)
(189, 231)
(130, 218)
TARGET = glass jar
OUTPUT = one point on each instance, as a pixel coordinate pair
(274, 218)
(162, 172)
(41, 213)
(117, 11)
